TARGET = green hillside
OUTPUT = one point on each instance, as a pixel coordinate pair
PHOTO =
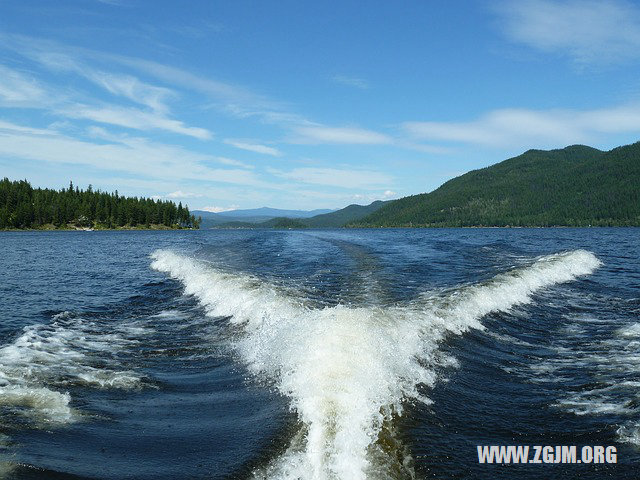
(573, 186)
(339, 218)
(283, 222)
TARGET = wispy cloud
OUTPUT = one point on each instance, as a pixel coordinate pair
(351, 81)
(335, 177)
(87, 92)
(51, 56)
(8, 128)
(587, 31)
(367, 198)
(339, 198)
(57, 56)
(231, 161)
(253, 147)
(234, 99)
(132, 118)
(131, 88)
(215, 209)
(181, 194)
(135, 156)
(531, 128)
(19, 90)
(338, 135)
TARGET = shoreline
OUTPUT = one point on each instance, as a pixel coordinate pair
(404, 227)
(119, 229)
(424, 227)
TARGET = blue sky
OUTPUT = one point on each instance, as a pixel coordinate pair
(301, 104)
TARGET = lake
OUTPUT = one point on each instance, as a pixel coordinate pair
(316, 354)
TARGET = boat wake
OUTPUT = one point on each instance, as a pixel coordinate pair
(347, 371)
(47, 359)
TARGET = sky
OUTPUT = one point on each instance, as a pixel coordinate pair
(305, 104)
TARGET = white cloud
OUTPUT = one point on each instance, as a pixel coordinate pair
(588, 31)
(19, 90)
(309, 199)
(339, 135)
(388, 194)
(351, 81)
(132, 118)
(55, 58)
(219, 209)
(181, 194)
(127, 184)
(235, 163)
(135, 156)
(232, 98)
(132, 88)
(531, 128)
(253, 147)
(424, 148)
(367, 198)
(7, 127)
(122, 85)
(335, 177)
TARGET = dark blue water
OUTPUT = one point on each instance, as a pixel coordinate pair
(316, 354)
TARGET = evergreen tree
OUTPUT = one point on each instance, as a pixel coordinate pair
(22, 206)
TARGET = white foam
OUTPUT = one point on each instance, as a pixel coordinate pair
(39, 364)
(582, 405)
(7, 467)
(348, 370)
(170, 314)
(609, 358)
(629, 433)
(45, 404)
(630, 331)
(509, 339)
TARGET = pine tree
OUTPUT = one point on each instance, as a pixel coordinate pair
(22, 206)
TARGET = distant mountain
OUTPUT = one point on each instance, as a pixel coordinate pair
(210, 219)
(340, 218)
(334, 219)
(573, 186)
(233, 218)
(273, 212)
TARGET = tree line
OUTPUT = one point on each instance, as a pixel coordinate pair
(24, 207)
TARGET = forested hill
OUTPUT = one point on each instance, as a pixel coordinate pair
(22, 206)
(335, 219)
(343, 216)
(573, 186)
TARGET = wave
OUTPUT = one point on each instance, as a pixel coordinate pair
(611, 357)
(348, 371)
(46, 358)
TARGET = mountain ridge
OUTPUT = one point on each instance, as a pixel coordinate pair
(274, 212)
(333, 219)
(574, 186)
